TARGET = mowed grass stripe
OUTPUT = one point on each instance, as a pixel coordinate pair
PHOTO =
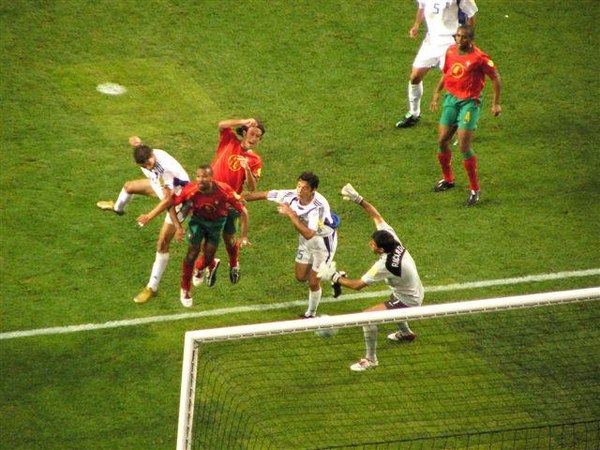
(284, 305)
(170, 96)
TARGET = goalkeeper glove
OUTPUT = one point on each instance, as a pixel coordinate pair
(335, 277)
(349, 193)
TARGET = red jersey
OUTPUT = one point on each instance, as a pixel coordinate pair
(464, 75)
(213, 205)
(226, 167)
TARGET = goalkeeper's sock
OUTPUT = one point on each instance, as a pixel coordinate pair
(470, 163)
(370, 333)
(404, 328)
(158, 268)
(314, 297)
(445, 159)
(122, 200)
(186, 275)
(233, 253)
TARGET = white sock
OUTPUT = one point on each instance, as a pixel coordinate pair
(370, 332)
(404, 328)
(158, 268)
(415, 92)
(314, 297)
(122, 200)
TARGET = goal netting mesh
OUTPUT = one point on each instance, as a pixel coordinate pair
(517, 377)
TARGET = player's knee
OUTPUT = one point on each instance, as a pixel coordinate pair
(129, 187)
(229, 240)
(162, 246)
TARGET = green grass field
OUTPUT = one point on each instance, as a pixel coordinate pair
(329, 80)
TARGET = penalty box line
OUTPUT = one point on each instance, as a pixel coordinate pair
(285, 305)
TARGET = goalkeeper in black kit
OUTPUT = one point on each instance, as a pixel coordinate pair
(395, 267)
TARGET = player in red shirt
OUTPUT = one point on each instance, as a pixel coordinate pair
(239, 166)
(464, 73)
(211, 201)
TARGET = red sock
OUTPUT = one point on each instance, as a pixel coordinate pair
(471, 168)
(233, 253)
(186, 275)
(445, 159)
(200, 263)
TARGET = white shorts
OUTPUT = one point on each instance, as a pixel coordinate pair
(432, 54)
(316, 250)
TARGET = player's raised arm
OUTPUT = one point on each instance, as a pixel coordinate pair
(350, 194)
(232, 123)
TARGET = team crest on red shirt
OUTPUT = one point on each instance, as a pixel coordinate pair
(457, 70)
(233, 163)
(209, 207)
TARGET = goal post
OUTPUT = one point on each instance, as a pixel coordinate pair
(195, 339)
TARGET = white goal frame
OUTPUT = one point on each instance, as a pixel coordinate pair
(193, 339)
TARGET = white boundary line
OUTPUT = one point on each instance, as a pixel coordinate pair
(272, 306)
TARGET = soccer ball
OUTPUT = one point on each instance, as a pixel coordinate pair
(330, 332)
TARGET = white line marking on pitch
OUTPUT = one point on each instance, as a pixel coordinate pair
(271, 306)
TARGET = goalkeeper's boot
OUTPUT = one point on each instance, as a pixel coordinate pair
(443, 185)
(108, 205)
(234, 274)
(364, 364)
(473, 198)
(211, 274)
(408, 121)
(399, 337)
(337, 289)
(144, 295)
(198, 276)
(186, 298)
(308, 315)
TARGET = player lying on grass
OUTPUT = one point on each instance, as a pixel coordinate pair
(310, 214)
(209, 203)
(395, 267)
(160, 170)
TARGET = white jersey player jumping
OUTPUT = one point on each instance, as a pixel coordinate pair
(161, 170)
(310, 214)
(395, 267)
(443, 18)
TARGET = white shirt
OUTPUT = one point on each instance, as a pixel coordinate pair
(441, 17)
(406, 287)
(314, 215)
(165, 169)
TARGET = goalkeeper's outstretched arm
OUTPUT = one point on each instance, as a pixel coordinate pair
(349, 193)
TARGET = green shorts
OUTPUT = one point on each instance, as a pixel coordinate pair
(231, 224)
(463, 114)
(200, 228)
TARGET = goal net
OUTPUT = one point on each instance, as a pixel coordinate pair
(517, 377)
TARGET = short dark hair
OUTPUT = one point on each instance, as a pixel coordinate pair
(206, 167)
(241, 130)
(310, 178)
(468, 29)
(142, 153)
(385, 240)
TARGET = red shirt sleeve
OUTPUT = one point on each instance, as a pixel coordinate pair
(226, 136)
(186, 193)
(233, 198)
